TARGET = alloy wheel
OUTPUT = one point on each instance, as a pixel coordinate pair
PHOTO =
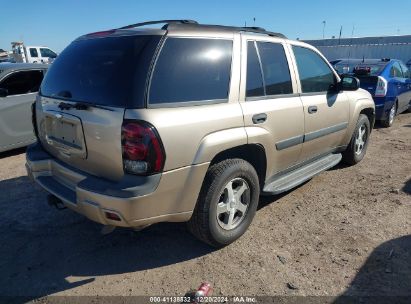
(392, 114)
(360, 139)
(233, 204)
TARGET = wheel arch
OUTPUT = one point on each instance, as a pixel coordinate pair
(253, 153)
(370, 113)
(362, 105)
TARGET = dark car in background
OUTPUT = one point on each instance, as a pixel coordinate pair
(388, 81)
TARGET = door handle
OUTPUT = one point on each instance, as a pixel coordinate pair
(259, 118)
(312, 109)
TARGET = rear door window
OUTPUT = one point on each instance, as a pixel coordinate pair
(255, 84)
(22, 82)
(405, 70)
(315, 75)
(277, 78)
(191, 70)
(34, 53)
(396, 70)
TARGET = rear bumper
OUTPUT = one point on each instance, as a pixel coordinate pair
(137, 200)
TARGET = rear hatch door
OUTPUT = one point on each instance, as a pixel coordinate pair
(89, 140)
(84, 95)
(368, 83)
(367, 73)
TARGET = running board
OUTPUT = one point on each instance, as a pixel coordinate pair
(298, 176)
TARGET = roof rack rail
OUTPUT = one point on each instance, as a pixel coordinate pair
(159, 22)
(253, 29)
(260, 30)
(257, 28)
(187, 22)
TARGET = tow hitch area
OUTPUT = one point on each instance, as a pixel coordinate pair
(55, 202)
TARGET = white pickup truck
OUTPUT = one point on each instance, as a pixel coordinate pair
(32, 54)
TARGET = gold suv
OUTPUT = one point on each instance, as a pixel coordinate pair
(190, 122)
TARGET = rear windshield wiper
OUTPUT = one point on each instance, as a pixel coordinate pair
(80, 106)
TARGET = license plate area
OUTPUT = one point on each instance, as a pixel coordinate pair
(64, 132)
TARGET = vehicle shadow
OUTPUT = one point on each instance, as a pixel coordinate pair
(331, 99)
(12, 152)
(266, 200)
(341, 165)
(46, 251)
(407, 187)
(385, 276)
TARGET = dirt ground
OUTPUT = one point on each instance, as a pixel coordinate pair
(345, 232)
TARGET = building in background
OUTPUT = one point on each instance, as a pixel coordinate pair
(395, 47)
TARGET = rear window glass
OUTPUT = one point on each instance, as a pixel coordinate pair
(108, 71)
(359, 68)
(191, 70)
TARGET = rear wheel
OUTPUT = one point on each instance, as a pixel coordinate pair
(359, 142)
(227, 202)
(391, 115)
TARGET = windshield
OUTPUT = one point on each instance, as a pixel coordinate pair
(109, 71)
(359, 68)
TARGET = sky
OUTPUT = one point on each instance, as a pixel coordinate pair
(56, 23)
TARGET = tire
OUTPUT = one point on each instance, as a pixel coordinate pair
(357, 148)
(211, 221)
(390, 118)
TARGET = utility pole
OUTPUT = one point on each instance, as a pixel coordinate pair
(324, 23)
(352, 36)
(339, 37)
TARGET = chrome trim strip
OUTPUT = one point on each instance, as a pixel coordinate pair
(325, 131)
(296, 140)
(287, 143)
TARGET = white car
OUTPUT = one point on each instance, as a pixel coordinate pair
(32, 54)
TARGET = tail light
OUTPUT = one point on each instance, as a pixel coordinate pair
(143, 152)
(381, 89)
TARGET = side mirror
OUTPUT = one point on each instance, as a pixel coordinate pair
(349, 83)
(4, 92)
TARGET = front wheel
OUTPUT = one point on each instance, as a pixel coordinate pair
(359, 142)
(227, 202)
